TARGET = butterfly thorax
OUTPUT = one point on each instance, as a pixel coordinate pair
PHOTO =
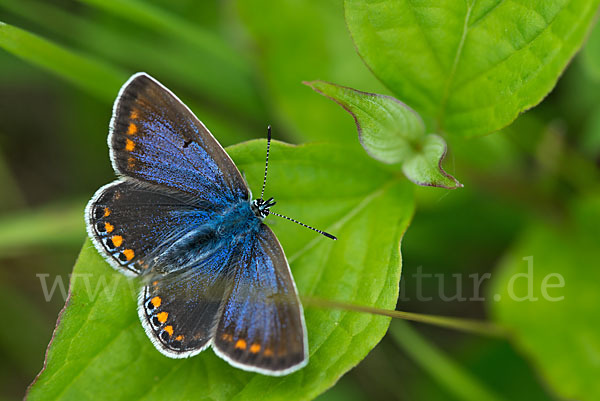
(238, 219)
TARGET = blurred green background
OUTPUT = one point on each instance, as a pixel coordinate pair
(239, 66)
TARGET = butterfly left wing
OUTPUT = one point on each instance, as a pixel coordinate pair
(261, 327)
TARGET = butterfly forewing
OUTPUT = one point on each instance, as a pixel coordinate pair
(262, 325)
(157, 139)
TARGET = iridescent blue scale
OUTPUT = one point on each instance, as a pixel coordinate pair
(181, 218)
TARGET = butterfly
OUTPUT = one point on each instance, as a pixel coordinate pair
(182, 218)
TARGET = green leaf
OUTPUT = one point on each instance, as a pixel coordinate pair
(96, 77)
(51, 226)
(160, 20)
(469, 67)
(99, 346)
(425, 166)
(392, 132)
(192, 66)
(551, 275)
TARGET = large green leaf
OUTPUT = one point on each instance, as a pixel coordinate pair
(99, 346)
(552, 276)
(392, 132)
(469, 67)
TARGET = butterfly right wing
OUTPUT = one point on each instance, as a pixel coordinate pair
(261, 328)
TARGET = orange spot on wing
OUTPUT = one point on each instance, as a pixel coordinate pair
(117, 240)
(109, 228)
(254, 348)
(134, 114)
(179, 337)
(131, 162)
(106, 212)
(162, 317)
(132, 130)
(169, 329)
(268, 352)
(156, 301)
(129, 145)
(240, 344)
(227, 337)
(129, 254)
(155, 283)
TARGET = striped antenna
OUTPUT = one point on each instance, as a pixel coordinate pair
(333, 237)
(262, 194)
(265, 206)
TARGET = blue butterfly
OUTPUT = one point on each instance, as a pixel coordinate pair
(182, 217)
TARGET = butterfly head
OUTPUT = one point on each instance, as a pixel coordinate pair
(261, 207)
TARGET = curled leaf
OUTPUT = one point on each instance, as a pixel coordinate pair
(392, 132)
(425, 166)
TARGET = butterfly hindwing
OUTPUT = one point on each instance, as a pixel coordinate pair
(262, 324)
(157, 139)
(180, 309)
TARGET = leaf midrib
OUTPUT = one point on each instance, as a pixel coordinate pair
(345, 218)
(457, 55)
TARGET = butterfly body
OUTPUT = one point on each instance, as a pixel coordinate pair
(222, 228)
(181, 219)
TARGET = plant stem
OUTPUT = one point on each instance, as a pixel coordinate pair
(466, 325)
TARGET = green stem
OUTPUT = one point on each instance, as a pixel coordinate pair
(466, 325)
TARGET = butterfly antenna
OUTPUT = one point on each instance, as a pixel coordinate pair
(333, 237)
(266, 162)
